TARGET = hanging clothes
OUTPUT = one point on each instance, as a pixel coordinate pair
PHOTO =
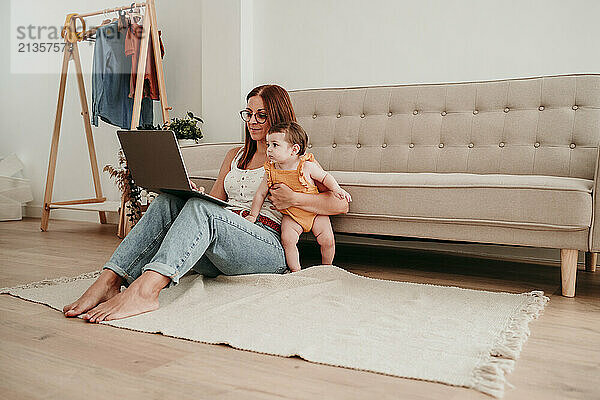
(132, 48)
(111, 74)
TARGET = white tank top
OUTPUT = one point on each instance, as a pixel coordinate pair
(241, 185)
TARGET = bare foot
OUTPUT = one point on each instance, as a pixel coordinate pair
(104, 288)
(140, 297)
(125, 304)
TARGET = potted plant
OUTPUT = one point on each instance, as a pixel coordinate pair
(131, 195)
(186, 129)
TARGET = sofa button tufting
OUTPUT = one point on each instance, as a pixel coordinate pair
(358, 146)
(314, 116)
(411, 145)
(362, 115)
(537, 144)
(470, 145)
(389, 114)
(475, 112)
(575, 107)
(310, 145)
(501, 144)
(441, 145)
(506, 109)
(339, 115)
(384, 145)
(572, 145)
(334, 145)
(443, 113)
(415, 112)
(541, 108)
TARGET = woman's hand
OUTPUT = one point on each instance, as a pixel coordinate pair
(281, 196)
(325, 203)
(251, 218)
(198, 188)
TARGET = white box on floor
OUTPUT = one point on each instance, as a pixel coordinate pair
(14, 192)
(10, 210)
(10, 165)
(17, 189)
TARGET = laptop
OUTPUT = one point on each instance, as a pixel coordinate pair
(156, 164)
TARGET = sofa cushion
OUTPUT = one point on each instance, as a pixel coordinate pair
(209, 174)
(521, 201)
(205, 178)
(518, 201)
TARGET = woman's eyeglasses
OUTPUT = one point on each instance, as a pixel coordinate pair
(261, 117)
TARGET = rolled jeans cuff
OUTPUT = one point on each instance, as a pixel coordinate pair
(119, 271)
(163, 269)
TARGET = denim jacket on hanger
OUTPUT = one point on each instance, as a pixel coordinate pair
(111, 72)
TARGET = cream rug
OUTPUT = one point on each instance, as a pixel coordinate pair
(327, 315)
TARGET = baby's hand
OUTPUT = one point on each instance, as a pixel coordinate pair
(251, 218)
(342, 194)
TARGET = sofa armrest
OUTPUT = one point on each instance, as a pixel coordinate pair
(205, 156)
(594, 239)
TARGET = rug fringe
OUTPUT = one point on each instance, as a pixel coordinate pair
(490, 376)
(52, 282)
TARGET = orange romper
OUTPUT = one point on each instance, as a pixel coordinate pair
(297, 182)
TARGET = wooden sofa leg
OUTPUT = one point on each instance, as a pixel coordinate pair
(568, 271)
(590, 261)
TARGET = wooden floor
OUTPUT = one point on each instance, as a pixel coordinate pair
(44, 355)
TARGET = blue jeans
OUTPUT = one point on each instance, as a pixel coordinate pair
(175, 235)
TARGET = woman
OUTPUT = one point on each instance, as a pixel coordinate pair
(176, 235)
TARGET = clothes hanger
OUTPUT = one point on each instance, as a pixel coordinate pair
(135, 14)
(90, 34)
(123, 21)
(106, 19)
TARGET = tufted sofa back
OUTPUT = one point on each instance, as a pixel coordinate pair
(532, 126)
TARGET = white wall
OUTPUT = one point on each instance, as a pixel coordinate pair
(221, 69)
(330, 43)
(217, 50)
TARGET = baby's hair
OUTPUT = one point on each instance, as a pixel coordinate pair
(294, 134)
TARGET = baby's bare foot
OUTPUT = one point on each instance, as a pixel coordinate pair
(104, 288)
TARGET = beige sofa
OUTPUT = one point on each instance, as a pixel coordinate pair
(511, 161)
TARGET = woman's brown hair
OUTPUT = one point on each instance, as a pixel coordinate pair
(279, 109)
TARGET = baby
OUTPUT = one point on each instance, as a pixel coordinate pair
(288, 164)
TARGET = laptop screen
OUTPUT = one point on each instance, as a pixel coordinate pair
(154, 159)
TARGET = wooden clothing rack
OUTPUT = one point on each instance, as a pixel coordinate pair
(71, 52)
